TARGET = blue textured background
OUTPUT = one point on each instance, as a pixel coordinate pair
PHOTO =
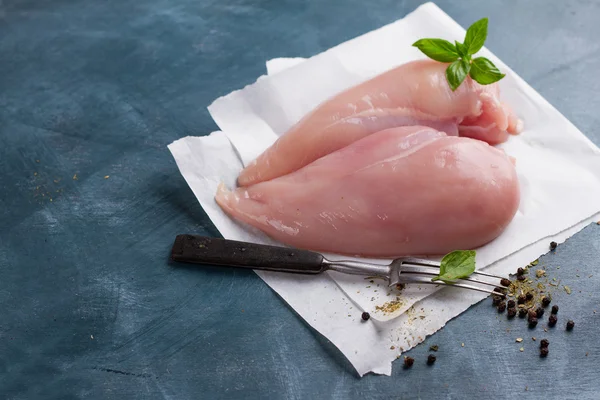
(90, 307)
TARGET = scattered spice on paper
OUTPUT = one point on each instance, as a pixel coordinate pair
(390, 306)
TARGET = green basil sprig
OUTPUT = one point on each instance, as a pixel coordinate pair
(460, 55)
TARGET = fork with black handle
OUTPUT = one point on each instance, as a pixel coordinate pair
(230, 253)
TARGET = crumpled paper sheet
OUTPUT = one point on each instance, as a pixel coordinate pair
(559, 171)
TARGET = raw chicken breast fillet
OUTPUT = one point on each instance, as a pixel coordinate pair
(401, 191)
(415, 93)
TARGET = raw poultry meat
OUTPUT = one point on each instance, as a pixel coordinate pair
(415, 93)
(400, 191)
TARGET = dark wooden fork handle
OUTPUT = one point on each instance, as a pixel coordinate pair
(214, 251)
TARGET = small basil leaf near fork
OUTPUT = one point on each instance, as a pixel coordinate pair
(437, 49)
(484, 71)
(456, 265)
(457, 72)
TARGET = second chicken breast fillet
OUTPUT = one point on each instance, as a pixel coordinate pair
(401, 191)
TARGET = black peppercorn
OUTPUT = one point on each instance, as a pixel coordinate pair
(501, 307)
(522, 312)
(570, 325)
(539, 312)
(500, 290)
(555, 309)
(529, 296)
(431, 359)
(520, 271)
(511, 304)
(546, 301)
(532, 314)
(505, 282)
(512, 312)
(496, 300)
(408, 362)
(533, 322)
(521, 299)
(543, 352)
(521, 278)
(552, 320)
(544, 343)
(365, 316)
(553, 245)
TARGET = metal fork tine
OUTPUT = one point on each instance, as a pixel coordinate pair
(466, 286)
(434, 264)
(422, 279)
(405, 271)
(488, 275)
(419, 261)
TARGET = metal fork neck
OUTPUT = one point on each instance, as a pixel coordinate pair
(357, 268)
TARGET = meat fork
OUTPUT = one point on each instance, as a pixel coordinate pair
(224, 252)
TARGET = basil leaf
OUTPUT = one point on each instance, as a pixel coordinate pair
(476, 35)
(456, 265)
(456, 73)
(483, 71)
(461, 49)
(437, 49)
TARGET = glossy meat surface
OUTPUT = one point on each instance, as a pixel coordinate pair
(415, 93)
(401, 191)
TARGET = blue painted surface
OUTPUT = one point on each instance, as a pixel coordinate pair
(90, 307)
